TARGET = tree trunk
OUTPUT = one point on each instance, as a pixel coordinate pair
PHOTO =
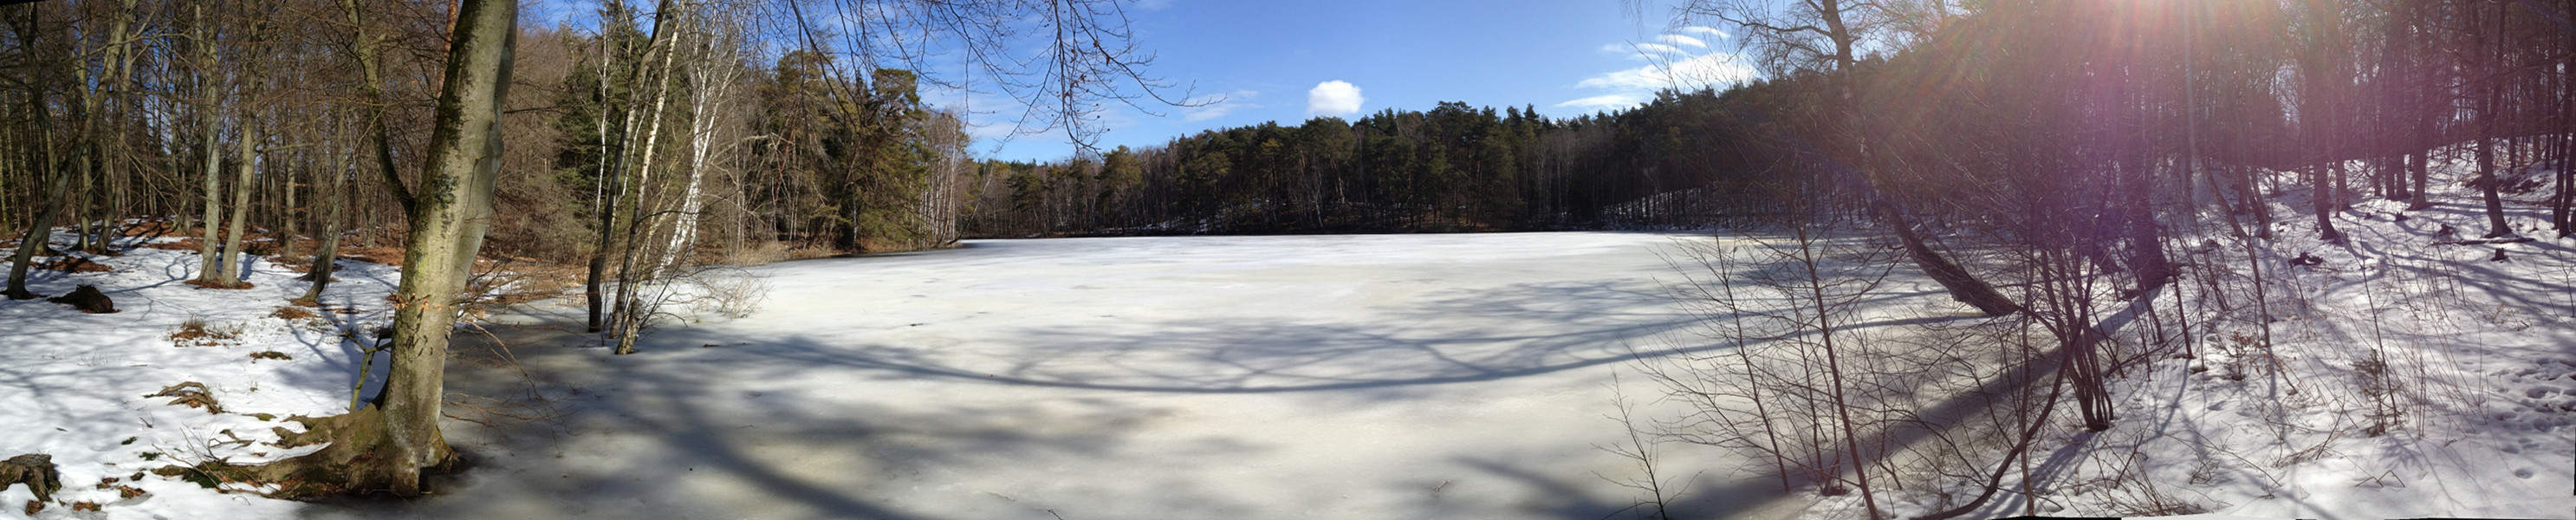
(385, 446)
(2321, 198)
(2487, 134)
(249, 153)
(207, 264)
(39, 233)
(371, 71)
(613, 167)
(326, 256)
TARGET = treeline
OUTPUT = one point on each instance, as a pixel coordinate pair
(2163, 103)
(1677, 161)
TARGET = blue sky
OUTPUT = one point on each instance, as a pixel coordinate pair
(1267, 58)
(1565, 57)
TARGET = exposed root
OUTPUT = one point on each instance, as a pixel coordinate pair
(36, 470)
(190, 394)
(357, 460)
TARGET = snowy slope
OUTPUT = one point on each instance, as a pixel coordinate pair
(74, 383)
(2479, 358)
(2414, 380)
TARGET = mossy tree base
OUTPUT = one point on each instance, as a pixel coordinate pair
(361, 459)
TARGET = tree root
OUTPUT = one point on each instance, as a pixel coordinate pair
(36, 470)
(190, 394)
(359, 458)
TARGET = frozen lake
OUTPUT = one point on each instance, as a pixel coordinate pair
(1375, 376)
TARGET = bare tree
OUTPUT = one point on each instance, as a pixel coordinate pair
(1825, 35)
(385, 446)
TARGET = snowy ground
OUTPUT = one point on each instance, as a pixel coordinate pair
(2413, 379)
(2479, 357)
(74, 383)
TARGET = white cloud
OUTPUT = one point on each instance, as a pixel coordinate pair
(1333, 98)
(1220, 106)
(1645, 51)
(1678, 70)
(1682, 41)
(1658, 48)
(1605, 102)
(1695, 29)
(1706, 70)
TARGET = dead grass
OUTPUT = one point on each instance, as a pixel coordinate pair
(387, 255)
(184, 243)
(270, 354)
(72, 264)
(196, 333)
(771, 252)
(201, 284)
(291, 313)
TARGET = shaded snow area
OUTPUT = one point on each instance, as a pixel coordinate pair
(72, 385)
(2402, 378)
(2413, 379)
(1385, 376)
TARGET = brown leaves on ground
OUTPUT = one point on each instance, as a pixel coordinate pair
(290, 312)
(72, 264)
(182, 244)
(196, 333)
(204, 284)
(387, 255)
(271, 354)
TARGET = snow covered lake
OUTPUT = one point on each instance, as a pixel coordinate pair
(1376, 376)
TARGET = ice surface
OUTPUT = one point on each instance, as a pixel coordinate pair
(1385, 376)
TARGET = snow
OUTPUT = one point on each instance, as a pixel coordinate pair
(1457, 376)
(2482, 354)
(75, 382)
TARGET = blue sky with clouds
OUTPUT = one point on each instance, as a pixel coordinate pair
(1290, 60)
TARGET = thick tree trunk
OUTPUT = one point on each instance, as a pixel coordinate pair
(385, 446)
(38, 236)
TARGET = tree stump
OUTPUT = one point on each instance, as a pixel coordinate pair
(87, 299)
(36, 470)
